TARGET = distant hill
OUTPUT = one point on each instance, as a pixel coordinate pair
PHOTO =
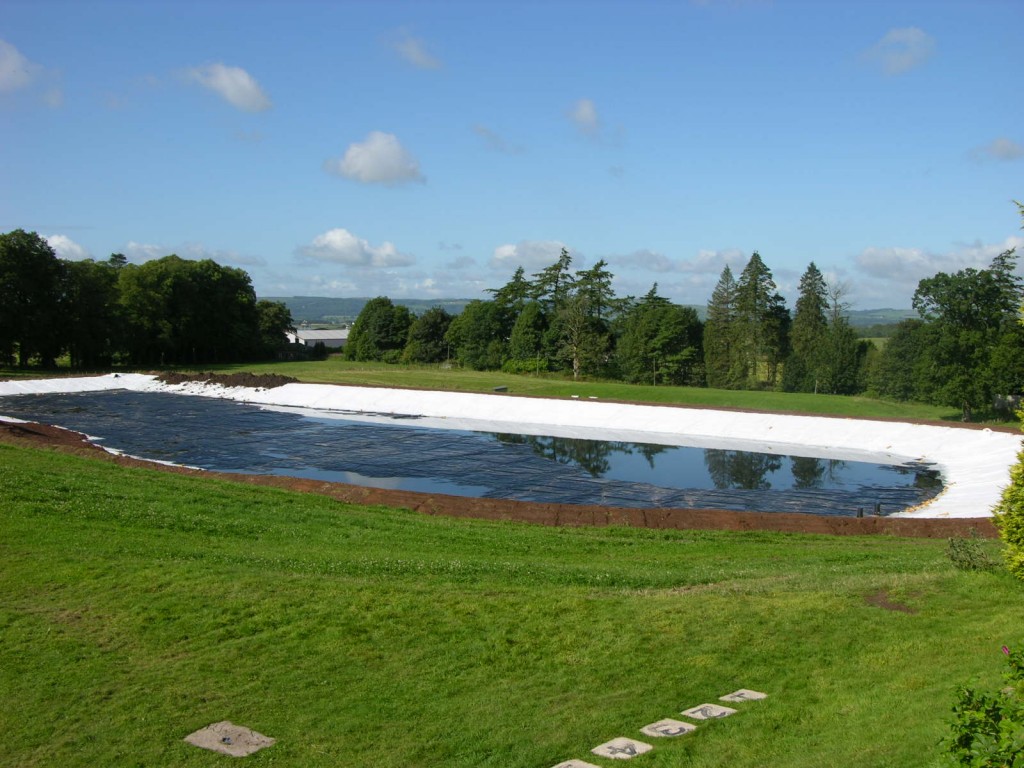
(322, 310)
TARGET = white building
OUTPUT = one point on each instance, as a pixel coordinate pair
(332, 339)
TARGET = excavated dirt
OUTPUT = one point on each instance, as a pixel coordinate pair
(253, 380)
(41, 435)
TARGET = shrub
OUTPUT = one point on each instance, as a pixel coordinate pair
(1008, 516)
(968, 554)
(988, 729)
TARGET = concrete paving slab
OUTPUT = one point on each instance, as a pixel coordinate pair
(743, 694)
(621, 748)
(708, 712)
(229, 739)
(668, 727)
(575, 764)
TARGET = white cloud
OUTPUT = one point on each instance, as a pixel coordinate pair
(380, 159)
(496, 142)
(233, 84)
(648, 260)
(140, 252)
(414, 51)
(529, 254)
(999, 149)
(901, 50)
(891, 274)
(66, 248)
(339, 246)
(583, 114)
(15, 70)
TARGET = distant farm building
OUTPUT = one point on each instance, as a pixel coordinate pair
(332, 339)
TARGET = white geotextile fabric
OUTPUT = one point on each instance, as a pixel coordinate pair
(974, 463)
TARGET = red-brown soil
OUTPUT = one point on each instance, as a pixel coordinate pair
(529, 512)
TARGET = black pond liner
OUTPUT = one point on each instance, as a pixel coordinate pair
(228, 436)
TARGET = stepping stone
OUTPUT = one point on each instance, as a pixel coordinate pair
(621, 748)
(744, 695)
(668, 727)
(229, 739)
(708, 712)
(575, 764)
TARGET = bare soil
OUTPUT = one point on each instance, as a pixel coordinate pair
(57, 438)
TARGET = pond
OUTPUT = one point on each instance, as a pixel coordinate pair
(395, 453)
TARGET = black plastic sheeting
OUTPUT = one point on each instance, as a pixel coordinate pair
(235, 437)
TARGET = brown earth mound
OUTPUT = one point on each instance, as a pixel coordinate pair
(254, 380)
(529, 512)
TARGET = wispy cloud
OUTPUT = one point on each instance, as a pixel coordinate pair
(339, 246)
(528, 254)
(1001, 149)
(901, 50)
(496, 142)
(16, 71)
(414, 51)
(379, 159)
(233, 84)
(583, 114)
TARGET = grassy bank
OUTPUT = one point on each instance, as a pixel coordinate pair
(138, 606)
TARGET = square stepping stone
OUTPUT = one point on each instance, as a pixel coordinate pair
(621, 748)
(743, 694)
(575, 764)
(708, 712)
(229, 739)
(668, 727)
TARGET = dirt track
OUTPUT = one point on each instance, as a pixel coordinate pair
(41, 435)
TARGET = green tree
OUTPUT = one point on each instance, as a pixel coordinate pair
(380, 331)
(898, 370)
(275, 321)
(969, 311)
(553, 284)
(31, 308)
(426, 342)
(595, 286)
(93, 331)
(762, 325)
(515, 294)
(526, 343)
(478, 335)
(721, 348)
(661, 343)
(803, 370)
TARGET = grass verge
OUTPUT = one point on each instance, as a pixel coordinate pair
(138, 606)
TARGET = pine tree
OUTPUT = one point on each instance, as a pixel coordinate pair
(719, 333)
(762, 325)
(810, 327)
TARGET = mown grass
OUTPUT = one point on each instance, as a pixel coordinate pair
(337, 371)
(138, 606)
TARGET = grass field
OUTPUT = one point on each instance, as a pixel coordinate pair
(138, 606)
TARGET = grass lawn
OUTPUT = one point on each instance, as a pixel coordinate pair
(138, 606)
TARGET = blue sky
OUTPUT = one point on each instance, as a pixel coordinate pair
(425, 149)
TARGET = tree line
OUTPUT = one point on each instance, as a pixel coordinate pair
(100, 313)
(965, 349)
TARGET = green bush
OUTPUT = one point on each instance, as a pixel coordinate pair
(988, 729)
(1008, 516)
(968, 554)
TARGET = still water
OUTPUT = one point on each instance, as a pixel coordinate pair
(236, 437)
